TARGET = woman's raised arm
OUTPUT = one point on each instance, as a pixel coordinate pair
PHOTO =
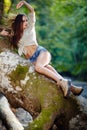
(21, 3)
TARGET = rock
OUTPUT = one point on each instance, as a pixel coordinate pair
(35, 93)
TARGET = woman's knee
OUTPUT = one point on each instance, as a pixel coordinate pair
(38, 68)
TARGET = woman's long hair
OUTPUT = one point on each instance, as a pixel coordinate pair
(17, 28)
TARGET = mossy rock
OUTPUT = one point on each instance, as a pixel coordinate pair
(37, 94)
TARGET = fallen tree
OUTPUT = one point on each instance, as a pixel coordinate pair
(35, 93)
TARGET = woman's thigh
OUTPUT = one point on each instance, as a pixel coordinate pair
(43, 59)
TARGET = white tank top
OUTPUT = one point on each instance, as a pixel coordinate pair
(29, 35)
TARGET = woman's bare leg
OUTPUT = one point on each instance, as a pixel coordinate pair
(42, 66)
(52, 69)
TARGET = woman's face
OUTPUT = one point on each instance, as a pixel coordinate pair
(25, 22)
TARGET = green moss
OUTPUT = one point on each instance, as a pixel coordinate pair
(43, 119)
(19, 73)
(43, 87)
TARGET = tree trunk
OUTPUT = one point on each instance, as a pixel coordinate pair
(1, 9)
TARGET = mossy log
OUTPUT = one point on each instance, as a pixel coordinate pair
(37, 94)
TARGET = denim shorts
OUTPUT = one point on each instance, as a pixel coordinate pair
(37, 52)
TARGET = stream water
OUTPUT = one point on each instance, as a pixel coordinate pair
(77, 123)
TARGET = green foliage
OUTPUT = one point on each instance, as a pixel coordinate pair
(7, 5)
(68, 36)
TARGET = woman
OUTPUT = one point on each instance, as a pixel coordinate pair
(24, 38)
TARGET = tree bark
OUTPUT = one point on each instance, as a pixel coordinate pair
(1, 9)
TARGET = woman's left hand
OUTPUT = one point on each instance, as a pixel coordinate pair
(4, 33)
